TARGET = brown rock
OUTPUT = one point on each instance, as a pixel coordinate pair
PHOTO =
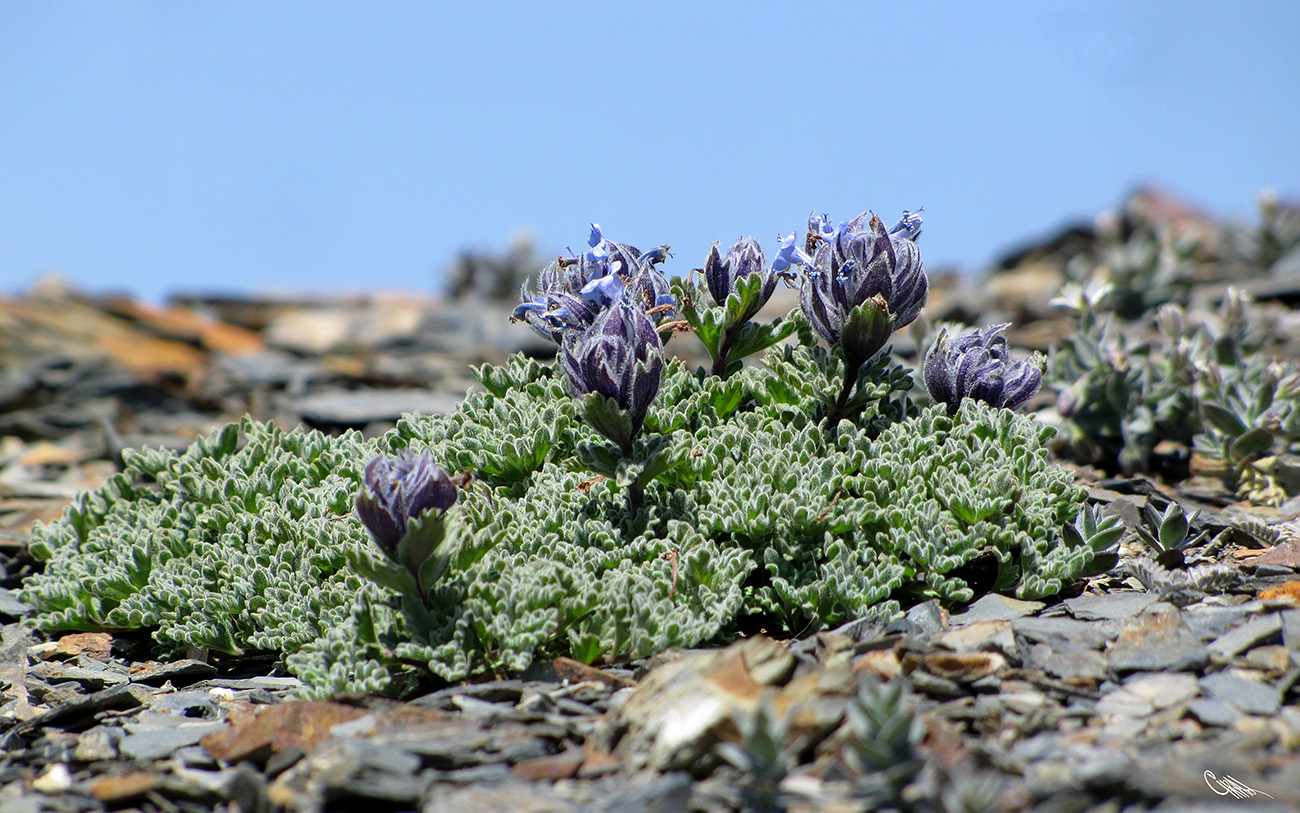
(257, 733)
(578, 672)
(563, 765)
(97, 645)
(964, 666)
(113, 789)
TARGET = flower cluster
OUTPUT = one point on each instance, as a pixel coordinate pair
(860, 264)
(397, 490)
(572, 292)
(597, 307)
(402, 502)
(978, 365)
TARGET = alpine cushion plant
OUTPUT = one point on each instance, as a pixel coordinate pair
(977, 364)
(369, 569)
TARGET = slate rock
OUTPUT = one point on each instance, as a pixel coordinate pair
(1291, 629)
(1214, 712)
(1244, 694)
(1092, 634)
(1116, 606)
(10, 607)
(995, 607)
(1156, 640)
(1162, 689)
(180, 673)
(147, 743)
(1210, 621)
(1254, 632)
(1066, 660)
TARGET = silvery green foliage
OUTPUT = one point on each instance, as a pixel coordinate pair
(754, 506)
(237, 544)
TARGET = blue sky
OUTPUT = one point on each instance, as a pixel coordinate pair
(247, 146)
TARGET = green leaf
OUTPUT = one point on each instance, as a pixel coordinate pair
(1256, 441)
(607, 418)
(382, 572)
(1223, 419)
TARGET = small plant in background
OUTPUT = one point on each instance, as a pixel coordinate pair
(884, 736)
(765, 755)
(1168, 535)
(1213, 389)
(1166, 569)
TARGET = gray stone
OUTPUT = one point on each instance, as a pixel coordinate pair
(1291, 629)
(1091, 634)
(125, 696)
(1162, 689)
(1157, 640)
(1214, 712)
(197, 705)
(99, 743)
(1065, 660)
(92, 678)
(1211, 621)
(1255, 631)
(929, 618)
(11, 607)
(1116, 606)
(1250, 696)
(1122, 701)
(180, 673)
(517, 797)
(147, 743)
(994, 607)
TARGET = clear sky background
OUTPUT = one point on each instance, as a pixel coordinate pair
(155, 147)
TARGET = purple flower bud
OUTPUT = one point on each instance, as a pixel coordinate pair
(977, 365)
(744, 258)
(398, 489)
(861, 262)
(620, 357)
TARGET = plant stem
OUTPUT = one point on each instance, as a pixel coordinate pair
(837, 412)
